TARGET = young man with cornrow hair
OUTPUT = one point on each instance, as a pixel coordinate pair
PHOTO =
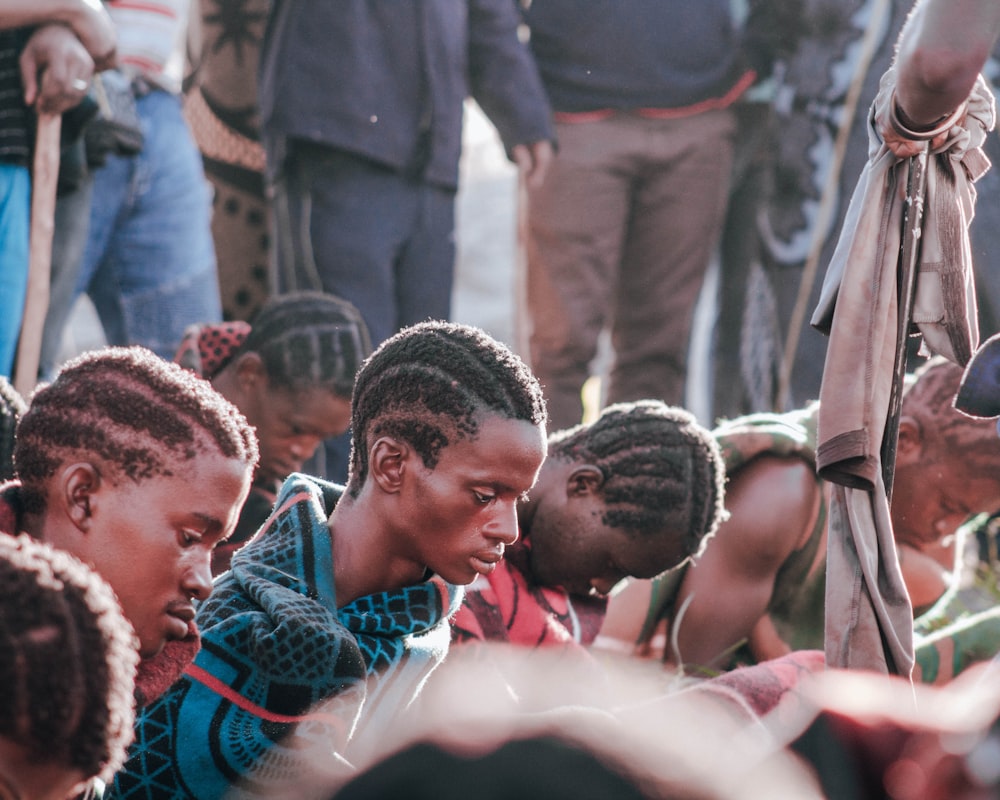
(139, 469)
(758, 590)
(331, 618)
(636, 492)
(291, 373)
(67, 673)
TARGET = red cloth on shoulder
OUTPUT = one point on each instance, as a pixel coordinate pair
(157, 673)
(509, 607)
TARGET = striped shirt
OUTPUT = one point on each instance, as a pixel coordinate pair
(151, 38)
(15, 117)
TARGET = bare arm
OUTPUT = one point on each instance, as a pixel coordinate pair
(945, 653)
(625, 616)
(925, 579)
(86, 18)
(941, 50)
(771, 502)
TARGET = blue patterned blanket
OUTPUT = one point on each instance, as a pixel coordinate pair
(284, 678)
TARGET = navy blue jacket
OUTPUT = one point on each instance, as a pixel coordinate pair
(626, 54)
(386, 79)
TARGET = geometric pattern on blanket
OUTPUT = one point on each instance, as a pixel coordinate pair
(285, 678)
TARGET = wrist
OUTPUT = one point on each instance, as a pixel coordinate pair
(909, 129)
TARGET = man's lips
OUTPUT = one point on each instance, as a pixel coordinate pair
(486, 562)
(181, 617)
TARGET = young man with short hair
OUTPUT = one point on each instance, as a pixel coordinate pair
(636, 492)
(139, 469)
(333, 615)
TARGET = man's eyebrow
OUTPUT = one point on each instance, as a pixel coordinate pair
(207, 520)
(504, 488)
(499, 487)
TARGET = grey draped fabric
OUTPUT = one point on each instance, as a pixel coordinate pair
(868, 615)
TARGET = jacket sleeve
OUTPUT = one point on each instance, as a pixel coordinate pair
(503, 76)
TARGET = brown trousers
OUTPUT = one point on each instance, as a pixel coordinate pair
(619, 237)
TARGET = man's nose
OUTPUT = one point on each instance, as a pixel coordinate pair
(198, 578)
(503, 526)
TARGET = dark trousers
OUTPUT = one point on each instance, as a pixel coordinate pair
(366, 233)
(354, 228)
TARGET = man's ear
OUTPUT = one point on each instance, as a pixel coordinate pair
(583, 480)
(78, 489)
(250, 371)
(910, 444)
(387, 463)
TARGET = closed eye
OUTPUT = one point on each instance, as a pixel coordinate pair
(189, 537)
(956, 510)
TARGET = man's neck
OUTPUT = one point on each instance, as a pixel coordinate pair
(365, 557)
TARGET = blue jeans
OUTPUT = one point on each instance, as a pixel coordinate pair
(149, 263)
(15, 212)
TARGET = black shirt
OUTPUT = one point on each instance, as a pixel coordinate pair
(16, 119)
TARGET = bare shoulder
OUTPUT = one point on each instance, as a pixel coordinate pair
(773, 502)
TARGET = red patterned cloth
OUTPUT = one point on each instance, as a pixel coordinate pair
(157, 673)
(508, 607)
(763, 686)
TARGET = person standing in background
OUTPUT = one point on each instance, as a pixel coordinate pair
(44, 68)
(361, 106)
(149, 260)
(361, 110)
(621, 231)
(746, 335)
(220, 105)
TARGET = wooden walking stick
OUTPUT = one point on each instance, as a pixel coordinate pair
(909, 256)
(44, 174)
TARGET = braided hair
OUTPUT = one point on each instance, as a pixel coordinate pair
(425, 385)
(12, 408)
(130, 408)
(309, 340)
(67, 660)
(661, 469)
(929, 398)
